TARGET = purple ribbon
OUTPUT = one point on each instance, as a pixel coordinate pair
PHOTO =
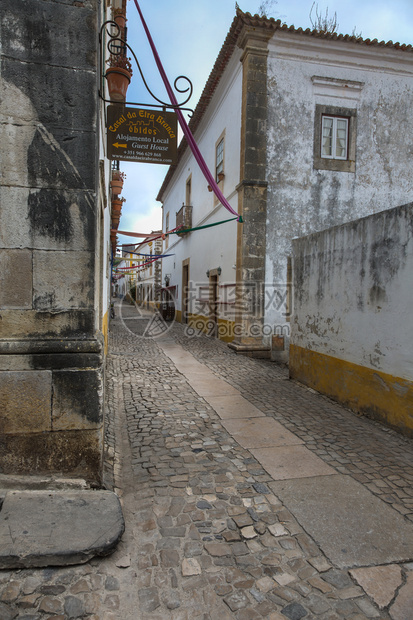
(187, 132)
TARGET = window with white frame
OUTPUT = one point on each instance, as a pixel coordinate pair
(334, 141)
(335, 138)
(219, 159)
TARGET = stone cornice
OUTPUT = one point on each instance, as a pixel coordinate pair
(340, 52)
(251, 183)
(23, 347)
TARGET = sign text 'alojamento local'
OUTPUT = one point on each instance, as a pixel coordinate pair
(135, 134)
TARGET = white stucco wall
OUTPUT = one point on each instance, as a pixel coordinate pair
(353, 292)
(212, 247)
(378, 83)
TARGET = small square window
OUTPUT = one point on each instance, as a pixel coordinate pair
(335, 139)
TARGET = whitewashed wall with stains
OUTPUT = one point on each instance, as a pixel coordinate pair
(378, 83)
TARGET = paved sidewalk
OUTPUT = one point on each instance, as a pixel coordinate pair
(245, 496)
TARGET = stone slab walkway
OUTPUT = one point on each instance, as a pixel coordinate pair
(210, 530)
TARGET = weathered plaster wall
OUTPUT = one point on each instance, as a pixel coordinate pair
(303, 73)
(50, 354)
(352, 327)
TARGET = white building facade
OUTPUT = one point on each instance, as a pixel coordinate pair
(203, 261)
(317, 132)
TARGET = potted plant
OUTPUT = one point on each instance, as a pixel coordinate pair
(118, 75)
(113, 241)
(117, 205)
(116, 183)
(119, 17)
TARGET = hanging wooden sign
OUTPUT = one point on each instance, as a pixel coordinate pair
(141, 135)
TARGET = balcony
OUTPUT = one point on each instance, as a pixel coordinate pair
(184, 218)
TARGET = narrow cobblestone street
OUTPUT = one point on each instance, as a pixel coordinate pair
(215, 527)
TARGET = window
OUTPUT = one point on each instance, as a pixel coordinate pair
(188, 192)
(219, 160)
(166, 229)
(335, 139)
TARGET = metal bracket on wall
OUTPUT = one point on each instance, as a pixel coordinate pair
(112, 45)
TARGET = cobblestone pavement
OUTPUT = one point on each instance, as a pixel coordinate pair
(206, 538)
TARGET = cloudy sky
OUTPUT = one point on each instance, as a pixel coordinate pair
(189, 34)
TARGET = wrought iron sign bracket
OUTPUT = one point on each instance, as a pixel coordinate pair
(113, 46)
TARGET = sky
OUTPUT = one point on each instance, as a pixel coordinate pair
(189, 34)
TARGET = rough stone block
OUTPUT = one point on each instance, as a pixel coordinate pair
(62, 280)
(25, 401)
(76, 453)
(61, 96)
(255, 171)
(51, 32)
(46, 219)
(61, 219)
(49, 528)
(77, 398)
(16, 279)
(14, 223)
(60, 157)
(20, 135)
(41, 157)
(379, 582)
(15, 362)
(51, 325)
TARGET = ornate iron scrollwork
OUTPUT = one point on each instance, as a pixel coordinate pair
(112, 45)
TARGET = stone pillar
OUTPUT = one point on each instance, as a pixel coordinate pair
(51, 360)
(252, 198)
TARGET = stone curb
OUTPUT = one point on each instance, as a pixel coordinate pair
(58, 528)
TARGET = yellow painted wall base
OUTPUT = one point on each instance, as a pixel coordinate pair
(105, 329)
(375, 394)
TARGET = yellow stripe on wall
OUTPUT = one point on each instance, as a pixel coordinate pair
(373, 393)
(105, 330)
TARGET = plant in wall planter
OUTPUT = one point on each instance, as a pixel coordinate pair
(118, 75)
(117, 205)
(118, 175)
(119, 17)
(116, 183)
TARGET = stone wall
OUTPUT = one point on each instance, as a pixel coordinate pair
(50, 355)
(352, 325)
